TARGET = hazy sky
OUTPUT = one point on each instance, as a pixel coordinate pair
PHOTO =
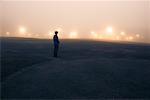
(37, 16)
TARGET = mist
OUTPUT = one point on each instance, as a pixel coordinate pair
(42, 17)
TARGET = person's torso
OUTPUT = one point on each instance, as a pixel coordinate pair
(56, 40)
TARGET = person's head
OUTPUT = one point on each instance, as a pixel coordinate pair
(56, 32)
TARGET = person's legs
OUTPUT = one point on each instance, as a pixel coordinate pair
(55, 51)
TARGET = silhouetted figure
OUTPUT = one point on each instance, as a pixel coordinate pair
(56, 44)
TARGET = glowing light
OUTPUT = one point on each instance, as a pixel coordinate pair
(92, 32)
(50, 33)
(122, 33)
(22, 30)
(109, 30)
(73, 35)
(7, 33)
(130, 38)
(137, 35)
(95, 35)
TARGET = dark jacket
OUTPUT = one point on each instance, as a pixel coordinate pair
(56, 40)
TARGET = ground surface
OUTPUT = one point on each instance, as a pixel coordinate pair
(84, 69)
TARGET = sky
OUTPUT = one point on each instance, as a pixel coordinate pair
(98, 19)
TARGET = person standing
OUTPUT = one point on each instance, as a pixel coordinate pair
(56, 44)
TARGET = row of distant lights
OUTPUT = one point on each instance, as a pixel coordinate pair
(108, 35)
(23, 33)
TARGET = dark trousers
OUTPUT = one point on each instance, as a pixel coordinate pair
(56, 50)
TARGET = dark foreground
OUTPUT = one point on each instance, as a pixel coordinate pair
(84, 70)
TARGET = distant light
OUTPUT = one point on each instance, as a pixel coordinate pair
(73, 35)
(92, 32)
(122, 33)
(137, 35)
(7, 33)
(130, 38)
(22, 30)
(50, 33)
(95, 35)
(109, 30)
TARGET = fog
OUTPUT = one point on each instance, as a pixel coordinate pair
(41, 17)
